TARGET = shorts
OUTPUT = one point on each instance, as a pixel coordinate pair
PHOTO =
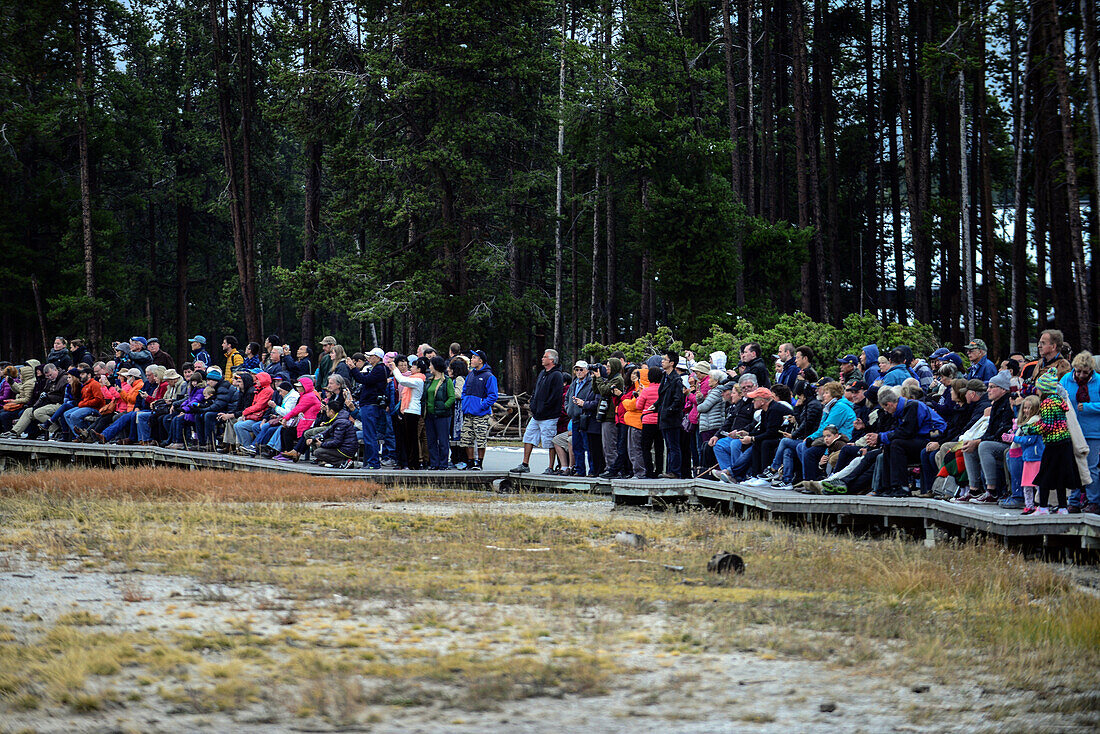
(541, 433)
(564, 440)
(475, 431)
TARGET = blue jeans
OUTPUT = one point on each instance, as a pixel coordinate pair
(672, 446)
(1015, 473)
(784, 457)
(580, 448)
(58, 417)
(808, 456)
(388, 438)
(269, 434)
(122, 423)
(438, 429)
(179, 429)
(246, 431)
(76, 416)
(144, 425)
(371, 417)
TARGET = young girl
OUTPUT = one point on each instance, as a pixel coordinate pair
(1058, 466)
(1030, 444)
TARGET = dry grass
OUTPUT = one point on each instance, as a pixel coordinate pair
(887, 605)
(187, 486)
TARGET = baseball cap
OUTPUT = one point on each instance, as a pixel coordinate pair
(939, 353)
(140, 340)
(480, 353)
(761, 392)
(377, 352)
(824, 381)
(848, 359)
(976, 344)
(580, 363)
(135, 372)
(329, 340)
(976, 385)
(856, 385)
(200, 339)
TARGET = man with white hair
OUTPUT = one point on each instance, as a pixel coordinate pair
(913, 423)
(545, 406)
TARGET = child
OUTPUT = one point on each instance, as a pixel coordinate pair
(834, 442)
(1030, 444)
(1058, 465)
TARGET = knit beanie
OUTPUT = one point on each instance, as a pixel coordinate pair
(1048, 382)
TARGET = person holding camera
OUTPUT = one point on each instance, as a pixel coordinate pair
(368, 370)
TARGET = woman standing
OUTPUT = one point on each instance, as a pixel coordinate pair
(458, 369)
(1083, 386)
(412, 391)
(439, 400)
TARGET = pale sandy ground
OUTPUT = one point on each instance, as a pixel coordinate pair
(658, 691)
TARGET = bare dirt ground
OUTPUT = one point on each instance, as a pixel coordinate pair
(164, 652)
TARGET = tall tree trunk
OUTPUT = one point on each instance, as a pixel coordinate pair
(313, 27)
(244, 62)
(989, 240)
(964, 213)
(747, 9)
(1092, 83)
(802, 153)
(869, 242)
(558, 198)
(1020, 321)
(769, 187)
(829, 268)
(84, 66)
(1077, 280)
(735, 140)
(893, 42)
(611, 334)
(241, 243)
(593, 304)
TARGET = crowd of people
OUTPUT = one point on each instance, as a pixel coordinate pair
(892, 424)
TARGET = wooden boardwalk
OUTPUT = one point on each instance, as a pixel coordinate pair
(931, 520)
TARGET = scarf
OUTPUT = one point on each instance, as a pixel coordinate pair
(1082, 387)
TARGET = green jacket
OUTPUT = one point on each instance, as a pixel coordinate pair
(439, 399)
(606, 387)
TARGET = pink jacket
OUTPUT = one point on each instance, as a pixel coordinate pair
(647, 403)
(308, 407)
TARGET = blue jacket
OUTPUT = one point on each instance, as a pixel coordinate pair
(912, 419)
(201, 356)
(896, 375)
(842, 414)
(789, 376)
(480, 391)
(982, 370)
(278, 371)
(1088, 414)
(871, 373)
(1031, 443)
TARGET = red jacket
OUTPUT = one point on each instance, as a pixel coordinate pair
(256, 410)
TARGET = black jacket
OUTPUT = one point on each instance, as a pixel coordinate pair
(760, 370)
(53, 392)
(809, 414)
(546, 399)
(739, 416)
(340, 435)
(61, 358)
(670, 401)
(771, 422)
(1000, 419)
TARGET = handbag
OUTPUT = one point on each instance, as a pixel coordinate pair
(109, 408)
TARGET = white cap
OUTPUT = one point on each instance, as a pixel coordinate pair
(377, 353)
(580, 363)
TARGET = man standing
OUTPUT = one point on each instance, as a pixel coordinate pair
(478, 396)
(324, 365)
(545, 409)
(1050, 351)
(160, 356)
(372, 375)
(670, 412)
(198, 350)
(789, 375)
(140, 356)
(580, 393)
(981, 367)
(233, 358)
(611, 390)
(752, 359)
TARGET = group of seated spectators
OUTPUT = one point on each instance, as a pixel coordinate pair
(892, 424)
(395, 410)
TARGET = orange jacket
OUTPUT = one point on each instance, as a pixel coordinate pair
(632, 415)
(128, 395)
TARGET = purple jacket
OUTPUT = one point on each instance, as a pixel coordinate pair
(188, 406)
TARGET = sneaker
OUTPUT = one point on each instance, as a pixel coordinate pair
(832, 488)
(719, 474)
(461, 466)
(349, 464)
(1029, 510)
(962, 498)
(780, 484)
(725, 477)
(476, 466)
(607, 475)
(668, 475)
(1063, 511)
(247, 450)
(389, 463)
(1011, 504)
(1072, 510)
(1041, 511)
(521, 469)
(1092, 508)
(756, 482)
(985, 499)
(551, 470)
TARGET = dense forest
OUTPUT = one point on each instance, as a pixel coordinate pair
(516, 175)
